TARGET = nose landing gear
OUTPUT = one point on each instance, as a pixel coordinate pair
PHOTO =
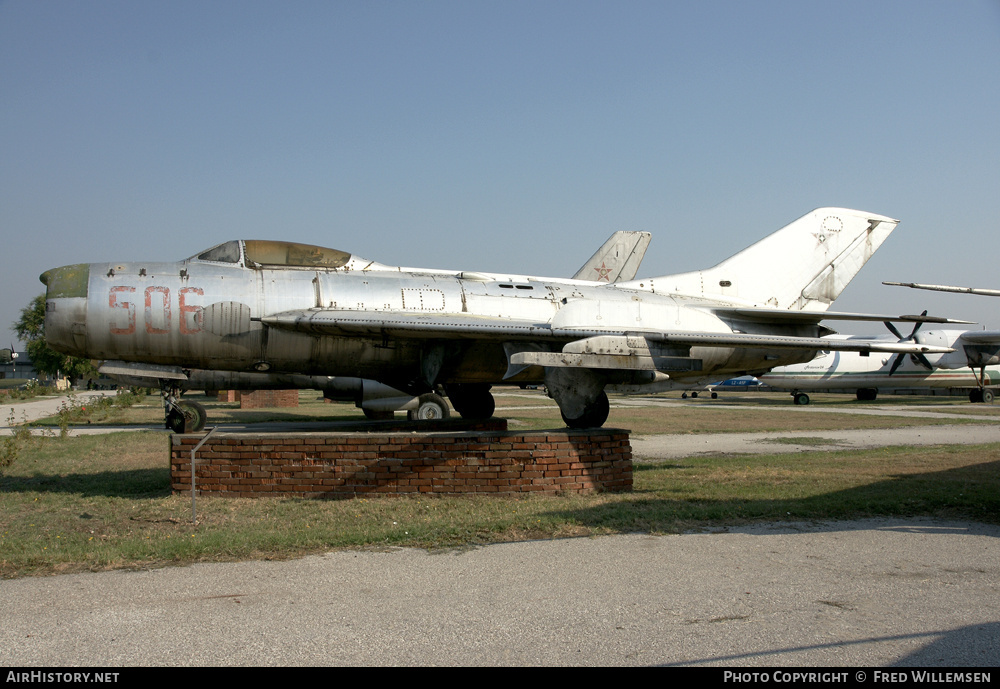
(182, 417)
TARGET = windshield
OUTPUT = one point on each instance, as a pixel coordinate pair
(224, 253)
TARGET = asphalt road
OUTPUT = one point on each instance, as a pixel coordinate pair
(866, 593)
(871, 593)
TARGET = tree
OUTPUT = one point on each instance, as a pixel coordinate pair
(30, 329)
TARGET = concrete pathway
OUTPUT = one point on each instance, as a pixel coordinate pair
(38, 408)
(854, 595)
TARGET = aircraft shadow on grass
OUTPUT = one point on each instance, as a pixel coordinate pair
(969, 492)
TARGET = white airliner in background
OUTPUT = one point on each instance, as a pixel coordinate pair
(867, 375)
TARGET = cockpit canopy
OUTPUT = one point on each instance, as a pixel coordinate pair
(254, 253)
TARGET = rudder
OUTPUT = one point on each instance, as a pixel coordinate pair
(803, 266)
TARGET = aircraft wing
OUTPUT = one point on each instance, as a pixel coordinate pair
(431, 326)
(984, 337)
(948, 288)
(670, 352)
(410, 325)
(783, 342)
(618, 259)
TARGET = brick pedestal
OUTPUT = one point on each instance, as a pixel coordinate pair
(343, 465)
(258, 399)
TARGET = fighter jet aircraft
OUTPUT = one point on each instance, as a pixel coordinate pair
(282, 307)
(617, 259)
(866, 375)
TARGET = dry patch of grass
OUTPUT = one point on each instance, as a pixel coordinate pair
(686, 419)
(104, 502)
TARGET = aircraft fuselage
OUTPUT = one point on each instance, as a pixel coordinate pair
(197, 314)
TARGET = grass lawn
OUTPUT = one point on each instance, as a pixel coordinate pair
(104, 502)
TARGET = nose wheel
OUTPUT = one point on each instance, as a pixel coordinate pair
(182, 417)
(187, 417)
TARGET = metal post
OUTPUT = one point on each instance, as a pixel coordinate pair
(213, 429)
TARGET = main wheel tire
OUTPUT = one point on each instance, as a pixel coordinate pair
(594, 416)
(976, 396)
(430, 407)
(987, 396)
(472, 401)
(802, 399)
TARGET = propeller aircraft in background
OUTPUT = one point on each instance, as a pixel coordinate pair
(867, 375)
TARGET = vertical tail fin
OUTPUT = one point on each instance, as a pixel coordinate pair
(803, 266)
(618, 259)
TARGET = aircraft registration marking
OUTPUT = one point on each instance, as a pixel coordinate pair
(157, 310)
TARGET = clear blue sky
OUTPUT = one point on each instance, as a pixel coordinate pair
(501, 136)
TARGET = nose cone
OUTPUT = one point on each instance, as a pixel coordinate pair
(66, 308)
(68, 281)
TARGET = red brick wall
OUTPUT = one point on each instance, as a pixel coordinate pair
(351, 464)
(257, 399)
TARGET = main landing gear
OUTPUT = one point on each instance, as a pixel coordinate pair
(580, 396)
(471, 400)
(983, 396)
(594, 414)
